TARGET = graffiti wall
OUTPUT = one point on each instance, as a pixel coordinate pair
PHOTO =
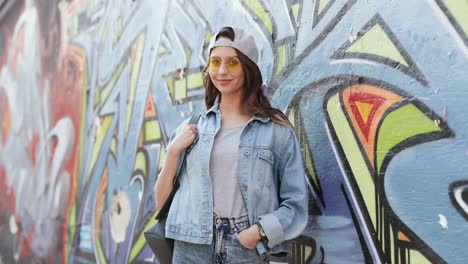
(377, 92)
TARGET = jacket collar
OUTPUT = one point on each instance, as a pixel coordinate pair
(215, 109)
(262, 119)
(215, 106)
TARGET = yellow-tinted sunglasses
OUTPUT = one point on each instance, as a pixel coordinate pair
(232, 64)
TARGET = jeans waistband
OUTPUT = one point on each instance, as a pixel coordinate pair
(231, 224)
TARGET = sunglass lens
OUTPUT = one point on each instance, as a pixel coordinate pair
(214, 64)
(233, 64)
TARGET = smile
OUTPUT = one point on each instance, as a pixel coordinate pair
(224, 82)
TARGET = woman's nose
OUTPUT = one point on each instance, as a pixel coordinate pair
(223, 69)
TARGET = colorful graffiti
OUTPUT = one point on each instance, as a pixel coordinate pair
(90, 91)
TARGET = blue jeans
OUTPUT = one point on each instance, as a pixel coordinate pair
(225, 247)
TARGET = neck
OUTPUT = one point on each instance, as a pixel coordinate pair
(231, 104)
(232, 111)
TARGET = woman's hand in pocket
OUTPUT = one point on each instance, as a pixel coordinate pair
(249, 237)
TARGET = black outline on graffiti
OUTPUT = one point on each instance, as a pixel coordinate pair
(385, 207)
(455, 203)
(290, 3)
(149, 119)
(147, 165)
(7, 6)
(445, 132)
(186, 71)
(201, 16)
(274, 43)
(114, 137)
(187, 98)
(343, 84)
(341, 81)
(101, 153)
(412, 70)
(453, 21)
(364, 247)
(163, 44)
(125, 26)
(289, 47)
(256, 18)
(297, 249)
(318, 17)
(295, 103)
(329, 28)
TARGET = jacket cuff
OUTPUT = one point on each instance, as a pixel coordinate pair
(273, 229)
(261, 249)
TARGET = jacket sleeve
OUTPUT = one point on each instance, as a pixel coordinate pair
(289, 220)
(171, 138)
(175, 132)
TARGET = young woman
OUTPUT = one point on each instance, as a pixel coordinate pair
(243, 193)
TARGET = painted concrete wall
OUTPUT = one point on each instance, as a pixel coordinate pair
(377, 90)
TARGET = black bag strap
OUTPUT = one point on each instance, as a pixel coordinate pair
(183, 155)
(167, 205)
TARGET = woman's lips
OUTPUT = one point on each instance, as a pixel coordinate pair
(224, 82)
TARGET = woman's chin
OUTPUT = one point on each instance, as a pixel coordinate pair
(229, 92)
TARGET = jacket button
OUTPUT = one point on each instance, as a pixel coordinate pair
(244, 187)
(246, 152)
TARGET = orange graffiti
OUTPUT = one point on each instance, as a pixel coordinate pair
(69, 84)
(403, 237)
(366, 105)
(32, 147)
(7, 194)
(99, 201)
(18, 48)
(6, 118)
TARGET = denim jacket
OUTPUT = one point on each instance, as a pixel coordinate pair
(271, 177)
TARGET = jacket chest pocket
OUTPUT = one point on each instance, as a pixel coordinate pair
(265, 167)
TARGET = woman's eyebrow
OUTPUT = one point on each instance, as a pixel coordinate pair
(227, 57)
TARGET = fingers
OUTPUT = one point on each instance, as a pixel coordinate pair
(189, 134)
(192, 128)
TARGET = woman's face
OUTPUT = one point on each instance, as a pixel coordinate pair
(225, 70)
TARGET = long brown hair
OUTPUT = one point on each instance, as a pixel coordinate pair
(255, 102)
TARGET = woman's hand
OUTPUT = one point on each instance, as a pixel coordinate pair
(165, 180)
(183, 139)
(249, 237)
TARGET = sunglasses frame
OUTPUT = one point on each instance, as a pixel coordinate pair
(236, 67)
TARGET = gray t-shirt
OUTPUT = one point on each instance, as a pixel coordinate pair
(227, 197)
